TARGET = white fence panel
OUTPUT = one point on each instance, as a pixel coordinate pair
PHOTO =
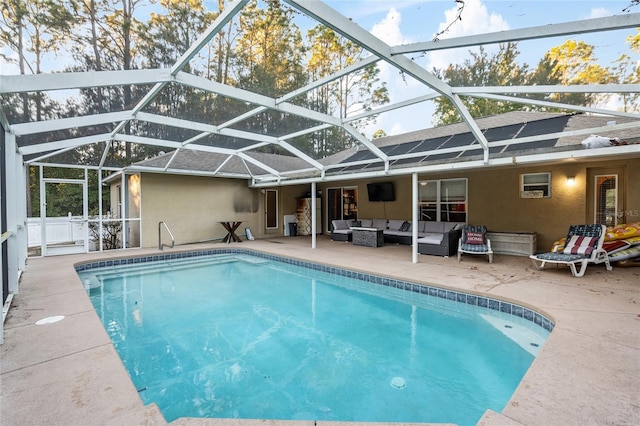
(65, 229)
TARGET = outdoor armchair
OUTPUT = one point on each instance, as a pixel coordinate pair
(474, 241)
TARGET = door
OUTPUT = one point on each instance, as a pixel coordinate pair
(271, 209)
(342, 203)
(606, 197)
(63, 216)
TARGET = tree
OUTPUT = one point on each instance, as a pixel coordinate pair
(627, 71)
(500, 69)
(269, 60)
(573, 63)
(361, 90)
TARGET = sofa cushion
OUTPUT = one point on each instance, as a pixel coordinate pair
(366, 223)
(379, 223)
(431, 238)
(395, 224)
(405, 227)
(448, 226)
(434, 227)
(340, 224)
(342, 231)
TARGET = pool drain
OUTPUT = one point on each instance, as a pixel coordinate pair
(398, 383)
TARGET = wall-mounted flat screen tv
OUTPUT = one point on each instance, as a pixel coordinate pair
(382, 191)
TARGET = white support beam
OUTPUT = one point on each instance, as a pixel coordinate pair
(367, 143)
(225, 90)
(62, 144)
(226, 160)
(306, 131)
(617, 22)
(329, 78)
(31, 128)
(157, 142)
(226, 14)
(414, 217)
(176, 122)
(394, 106)
(571, 88)
(80, 80)
(300, 154)
(242, 117)
(260, 164)
(525, 101)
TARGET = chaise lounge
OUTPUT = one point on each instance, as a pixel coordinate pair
(583, 246)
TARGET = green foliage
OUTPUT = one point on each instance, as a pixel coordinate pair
(353, 93)
(500, 69)
(627, 71)
(571, 63)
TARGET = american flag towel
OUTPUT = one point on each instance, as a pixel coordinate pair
(579, 244)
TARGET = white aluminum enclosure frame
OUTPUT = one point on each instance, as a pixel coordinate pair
(315, 171)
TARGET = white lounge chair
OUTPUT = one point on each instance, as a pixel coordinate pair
(582, 246)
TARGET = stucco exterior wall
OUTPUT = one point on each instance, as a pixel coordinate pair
(193, 206)
(494, 198)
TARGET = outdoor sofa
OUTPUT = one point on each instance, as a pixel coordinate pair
(435, 238)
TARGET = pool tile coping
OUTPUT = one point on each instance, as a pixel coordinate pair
(509, 308)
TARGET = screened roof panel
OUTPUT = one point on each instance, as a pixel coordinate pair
(275, 123)
(222, 141)
(293, 118)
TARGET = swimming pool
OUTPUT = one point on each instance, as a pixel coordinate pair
(235, 334)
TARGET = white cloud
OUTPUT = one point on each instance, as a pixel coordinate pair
(476, 19)
(388, 30)
(599, 12)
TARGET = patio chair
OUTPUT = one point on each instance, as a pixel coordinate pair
(474, 241)
(582, 246)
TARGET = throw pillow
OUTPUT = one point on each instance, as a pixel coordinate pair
(405, 226)
(475, 238)
(580, 245)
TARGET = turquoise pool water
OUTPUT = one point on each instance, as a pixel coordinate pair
(241, 336)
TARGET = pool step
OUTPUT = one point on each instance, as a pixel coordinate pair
(170, 265)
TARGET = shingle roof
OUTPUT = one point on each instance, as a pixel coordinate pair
(444, 144)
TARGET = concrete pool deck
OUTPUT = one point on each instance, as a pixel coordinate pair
(587, 373)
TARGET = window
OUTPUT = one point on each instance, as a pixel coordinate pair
(443, 200)
(535, 185)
